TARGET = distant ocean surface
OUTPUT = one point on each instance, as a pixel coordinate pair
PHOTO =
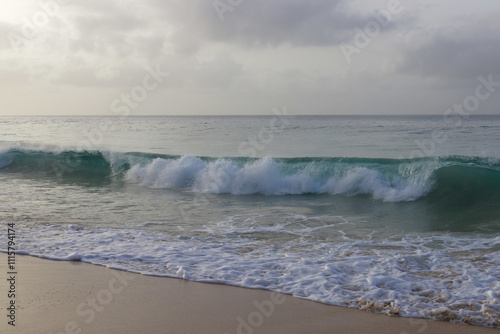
(395, 214)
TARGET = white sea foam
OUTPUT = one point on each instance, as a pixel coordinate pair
(362, 180)
(266, 176)
(440, 277)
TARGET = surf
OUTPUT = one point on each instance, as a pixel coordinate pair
(454, 179)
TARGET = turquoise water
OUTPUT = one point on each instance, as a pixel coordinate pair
(401, 211)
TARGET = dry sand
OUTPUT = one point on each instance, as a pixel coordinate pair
(73, 297)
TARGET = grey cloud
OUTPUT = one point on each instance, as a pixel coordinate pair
(114, 28)
(133, 29)
(458, 52)
(263, 22)
(219, 72)
(75, 71)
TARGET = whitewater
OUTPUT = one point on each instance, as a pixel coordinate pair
(339, 210)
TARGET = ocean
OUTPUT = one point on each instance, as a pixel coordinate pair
(393, 214)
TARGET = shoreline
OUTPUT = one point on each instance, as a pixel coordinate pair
(54, 297)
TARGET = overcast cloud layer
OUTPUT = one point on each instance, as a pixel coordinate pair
(246, 57)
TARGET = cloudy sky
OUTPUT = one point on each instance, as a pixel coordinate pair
(188, 57)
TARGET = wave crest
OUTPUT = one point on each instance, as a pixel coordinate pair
(446, 179)
(268, 177)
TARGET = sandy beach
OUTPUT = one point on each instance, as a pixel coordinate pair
(73, 297)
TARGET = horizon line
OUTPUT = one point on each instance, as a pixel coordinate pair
(237, 115)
